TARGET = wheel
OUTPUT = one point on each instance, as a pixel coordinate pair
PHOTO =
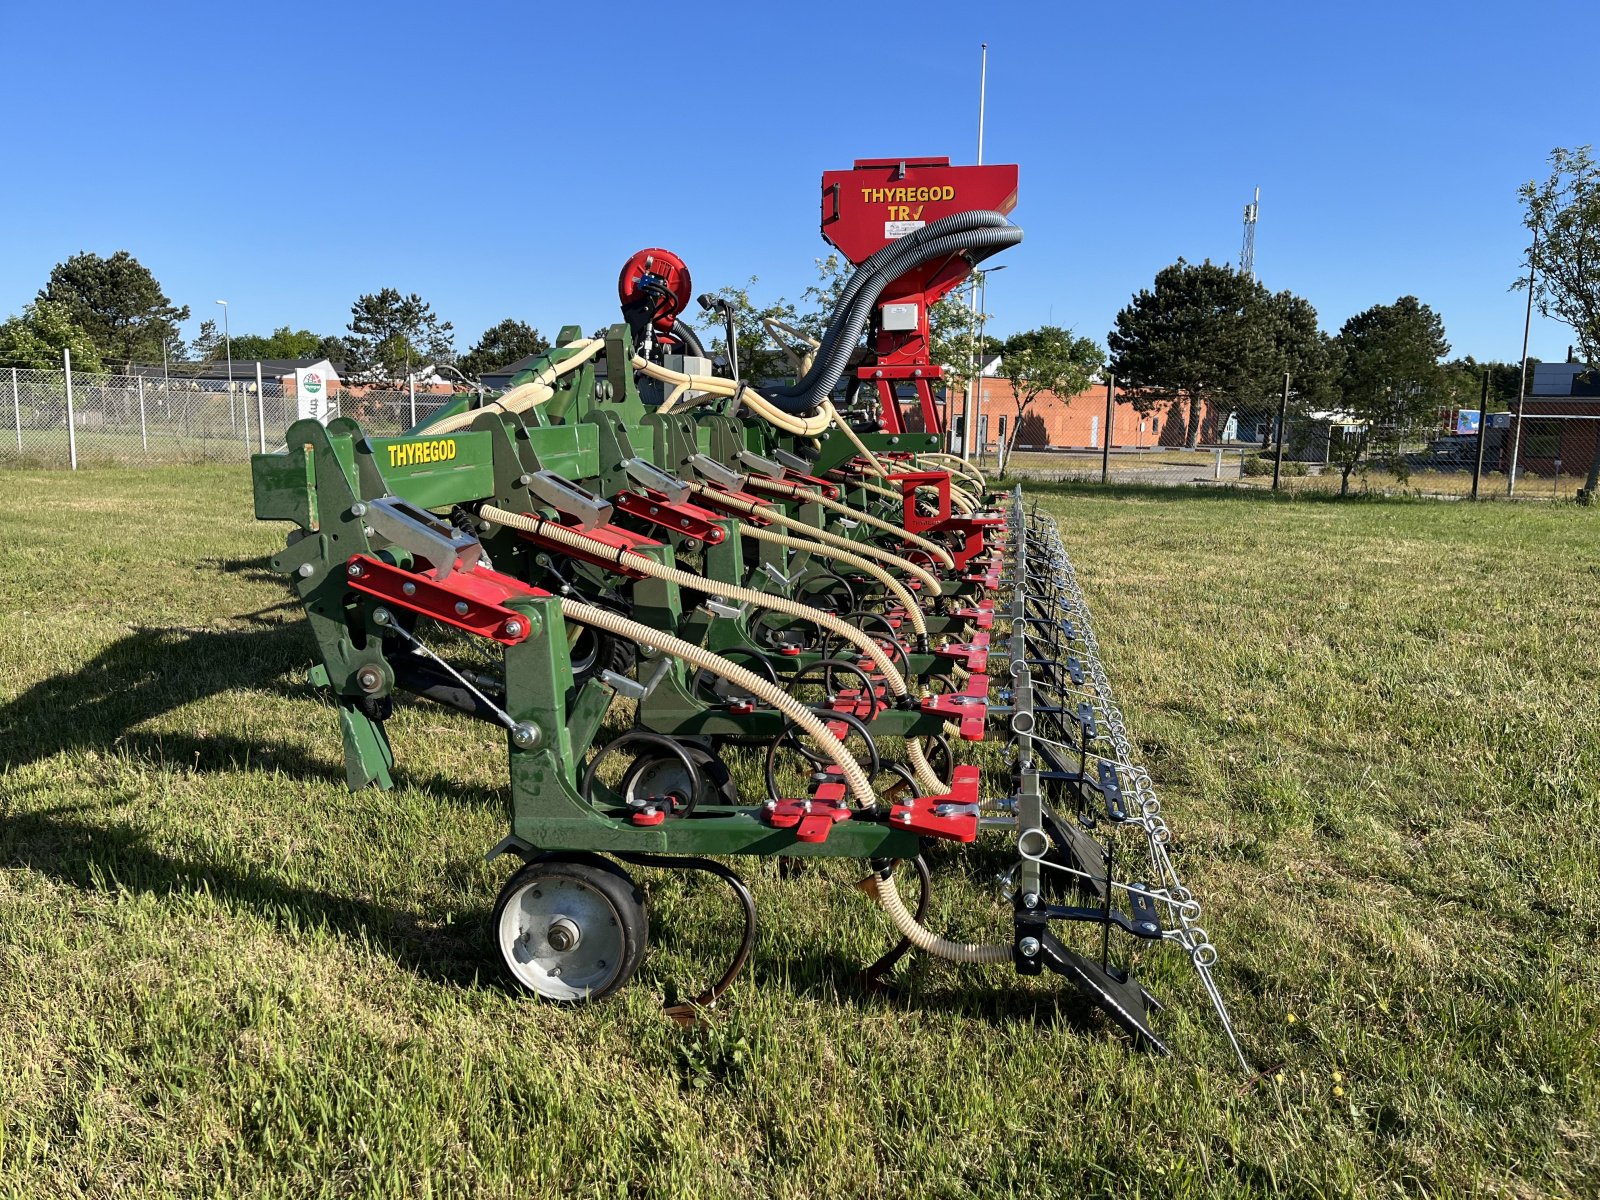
(570, 930)
(599, 650)
(664, 775)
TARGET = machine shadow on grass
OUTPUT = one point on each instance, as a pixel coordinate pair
(153, 671)
(67, 844)
(143, 675)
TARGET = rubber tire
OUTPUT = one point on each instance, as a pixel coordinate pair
(601, 876)
(612, 653)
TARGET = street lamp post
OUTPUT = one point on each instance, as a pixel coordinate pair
(227, 341)
(983, 321)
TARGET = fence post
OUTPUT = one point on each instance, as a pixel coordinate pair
(1283, 417)
(143, 437)
(244, 407)
(261, 412)
(411, 386)
(72, 432)
(16, 408)
(1111, 420)
(1483, 427)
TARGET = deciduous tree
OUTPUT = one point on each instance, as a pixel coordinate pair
(35, 338)
(1047, 359)
(1391, 383)
(1563, 213)
(118, 303)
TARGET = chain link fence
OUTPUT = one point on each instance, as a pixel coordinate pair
(1547, 455)
(151, 419)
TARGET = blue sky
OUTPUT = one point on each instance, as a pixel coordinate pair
(504, 162)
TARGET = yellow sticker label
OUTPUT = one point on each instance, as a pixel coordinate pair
(411, 454)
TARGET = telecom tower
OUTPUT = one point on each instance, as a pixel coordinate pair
(1247, 255)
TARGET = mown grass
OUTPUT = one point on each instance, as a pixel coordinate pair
(1375, 726)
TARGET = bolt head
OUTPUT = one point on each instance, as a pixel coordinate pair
(358, 509)
(1029, 947)
(354, 570)
(306, 571)
(461, 608)
(526, 735)
(409, 589)
(1030, 899)
(1147, 926)
(513, 628)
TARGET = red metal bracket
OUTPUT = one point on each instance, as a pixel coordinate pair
(830, 490)
(811, 819)
(922, 815)
(690, 520)
(470, 600)
(973, 655)
(608, 541)
(969, 708)
(910, 482)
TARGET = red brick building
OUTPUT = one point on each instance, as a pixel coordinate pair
(1078, 422)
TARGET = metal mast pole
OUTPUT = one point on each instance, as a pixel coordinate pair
(1522, 386)
(973, 395)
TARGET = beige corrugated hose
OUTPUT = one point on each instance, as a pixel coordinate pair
(626, 559)
(920, 767)
(527, 395)
(899, 590)
(811, 532)
(883, 890)
(805, 495)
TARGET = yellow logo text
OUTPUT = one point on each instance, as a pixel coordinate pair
(410, 454)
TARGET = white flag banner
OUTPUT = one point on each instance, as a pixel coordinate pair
(314, 392)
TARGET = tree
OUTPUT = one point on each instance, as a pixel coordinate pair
(1391, 383)
(501, 345)
(207, 346)
(759, 358)
(1463, 383)
(1563, 214)
(1199, 338)
(391, 335)
(117, 302)
(283, 342)
(1047, 359)
(35, 338)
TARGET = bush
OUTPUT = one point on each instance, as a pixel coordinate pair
(1261, 464)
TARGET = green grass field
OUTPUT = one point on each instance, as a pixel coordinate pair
(1375, 724)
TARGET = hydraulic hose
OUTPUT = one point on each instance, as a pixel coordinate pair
(626, 559)
(527, 395)
(812, 533)
(807, 496)
(849, 321)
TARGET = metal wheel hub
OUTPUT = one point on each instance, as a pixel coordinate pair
(563, 938)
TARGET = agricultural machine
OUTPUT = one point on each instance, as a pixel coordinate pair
(796, 582)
